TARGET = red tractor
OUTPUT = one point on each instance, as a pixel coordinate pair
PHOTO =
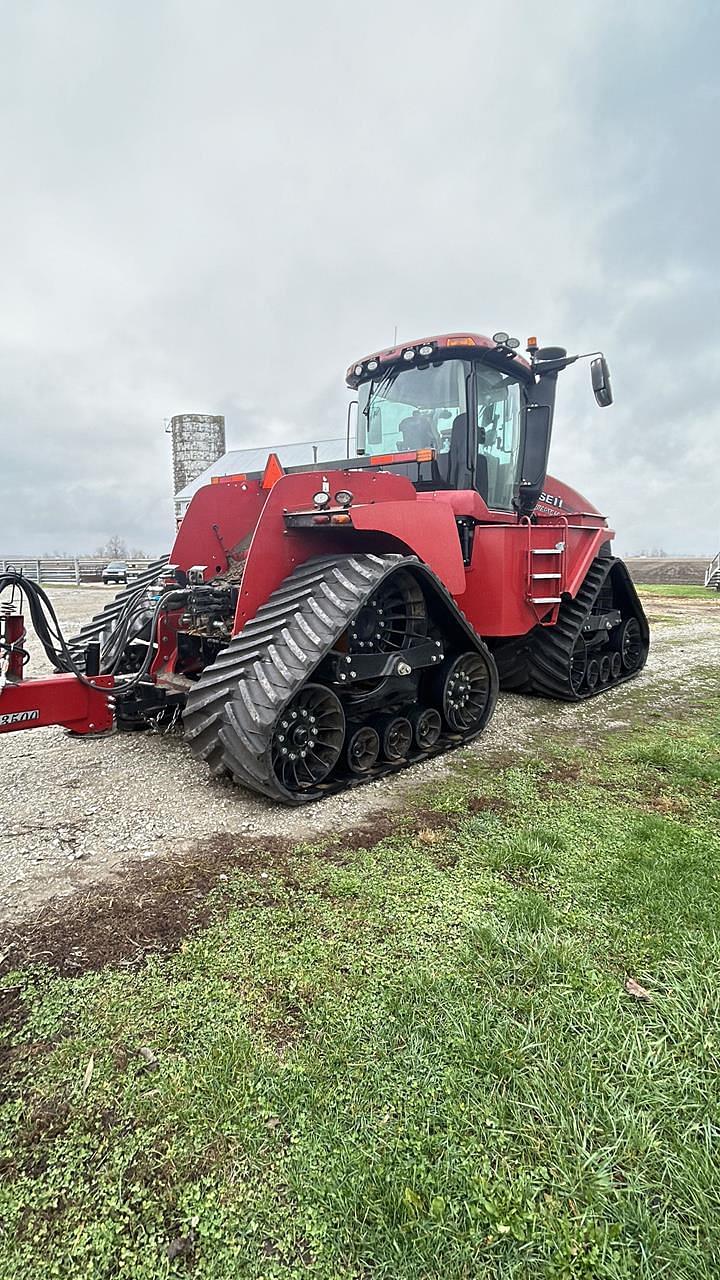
(326, 626)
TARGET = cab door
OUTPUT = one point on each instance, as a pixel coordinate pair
(497, 431)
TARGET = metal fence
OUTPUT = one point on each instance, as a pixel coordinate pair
(76, 570)
(65, 571)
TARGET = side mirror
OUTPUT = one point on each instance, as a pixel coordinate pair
(600, 375)
(538, 423)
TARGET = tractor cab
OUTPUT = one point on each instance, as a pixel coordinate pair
(456, 402)
(465, 412)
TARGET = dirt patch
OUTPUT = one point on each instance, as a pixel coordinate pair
(13, 1016)
(13, 1013)
(563, 771)
(283, 1037)
(486, 804)
(150, 911)
(45, 1122)
(15, 1062)
(47, 1119)
(153, 907)
(283, 1033)
(668, 806)
(369, 833)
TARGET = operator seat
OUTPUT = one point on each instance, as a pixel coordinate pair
(459, 475)
(417, 432)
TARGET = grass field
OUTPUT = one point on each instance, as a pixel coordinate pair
(679, 592)
(487, 1046)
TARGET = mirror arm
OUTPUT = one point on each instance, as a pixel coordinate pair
(548, 366)
(553, 366)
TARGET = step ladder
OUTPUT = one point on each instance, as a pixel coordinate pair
(546, 568)
(712, 574)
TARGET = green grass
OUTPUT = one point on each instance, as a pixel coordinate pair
(419, 1061)
(679, 592)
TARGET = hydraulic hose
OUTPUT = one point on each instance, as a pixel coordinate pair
(47, 629)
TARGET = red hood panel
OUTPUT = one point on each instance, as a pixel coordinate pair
(559, 499)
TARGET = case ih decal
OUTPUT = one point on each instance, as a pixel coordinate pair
(551, 500)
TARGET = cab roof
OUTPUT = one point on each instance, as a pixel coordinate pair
(441, 345)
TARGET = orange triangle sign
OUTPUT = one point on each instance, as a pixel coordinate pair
(273, 471)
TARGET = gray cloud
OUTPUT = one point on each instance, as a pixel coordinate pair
(216, 209)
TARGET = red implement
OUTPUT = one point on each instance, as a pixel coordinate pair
(57, 699)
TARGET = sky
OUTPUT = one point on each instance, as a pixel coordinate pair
(216, 208)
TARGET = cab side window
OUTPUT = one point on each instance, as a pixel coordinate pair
(498, 434)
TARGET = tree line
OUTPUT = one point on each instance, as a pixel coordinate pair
(116, 548)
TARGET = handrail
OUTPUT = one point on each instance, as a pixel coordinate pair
(560, 549)
(712, 569)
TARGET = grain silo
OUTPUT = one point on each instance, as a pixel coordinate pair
(198, 440)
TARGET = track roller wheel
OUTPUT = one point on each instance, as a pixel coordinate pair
(465, 691)
(592, 674)
(615, 665)
(392, 619)
(629, 643)
(427, 727)
(578, 664)
(396, 737)
(308, 738)
(605, 668)
(363, 749)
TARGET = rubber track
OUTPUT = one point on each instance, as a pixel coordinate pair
(104, 622)
(231, 714)
(540, 663)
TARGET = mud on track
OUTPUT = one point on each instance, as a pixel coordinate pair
(121, 838)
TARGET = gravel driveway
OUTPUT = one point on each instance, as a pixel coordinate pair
(73, 810)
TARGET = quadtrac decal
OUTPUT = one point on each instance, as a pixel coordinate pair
(19, 717)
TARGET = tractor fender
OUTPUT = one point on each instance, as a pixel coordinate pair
(218, 525)
(385, 515)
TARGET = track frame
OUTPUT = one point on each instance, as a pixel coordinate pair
(232, 712)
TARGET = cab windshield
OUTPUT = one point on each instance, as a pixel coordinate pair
(412, 408)
(421, 408)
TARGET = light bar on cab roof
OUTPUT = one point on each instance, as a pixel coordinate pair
(423, 349)
(426, 349)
